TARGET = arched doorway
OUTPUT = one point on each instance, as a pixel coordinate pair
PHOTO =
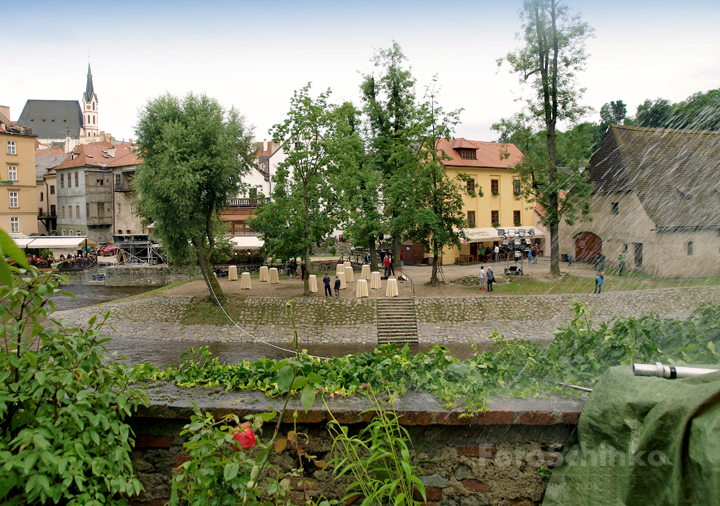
(587, 247)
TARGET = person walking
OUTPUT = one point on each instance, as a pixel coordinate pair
(326, 282)
(598, 282)
(536, 251)
(490, 278)
(530, 256)
(483, 279)
(569, 257)
(621, 264)
(402, 259)
(337, 286)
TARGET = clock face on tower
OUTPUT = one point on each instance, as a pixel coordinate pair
(87, 107)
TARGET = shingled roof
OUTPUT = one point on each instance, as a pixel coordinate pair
(675, 173)
(50, 119)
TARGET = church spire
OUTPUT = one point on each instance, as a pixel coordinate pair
(89, 89)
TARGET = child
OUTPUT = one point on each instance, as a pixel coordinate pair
(337, 286)
(598, 282)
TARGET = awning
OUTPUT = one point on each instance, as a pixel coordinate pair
(491, 234)
(247, 242)
(55, 242)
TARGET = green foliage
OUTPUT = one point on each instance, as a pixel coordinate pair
(194, 154)
(700, 111)
(220, 471)
(63, 399)
(578, 355)
(303, 207)
(377, 459)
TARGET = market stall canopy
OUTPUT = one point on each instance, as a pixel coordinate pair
(491, 234)
(247, 242)
(54, 242)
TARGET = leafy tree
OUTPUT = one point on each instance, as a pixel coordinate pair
(303, 200)
(434, 205)
(613, 113)
(194, 154)
(359, 182)
(700, 111)
(552, 54)
(391, 132)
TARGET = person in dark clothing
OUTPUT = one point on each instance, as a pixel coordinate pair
(392, 267)
(326, 282)
(302, 271)
(337, 287)
(490, 278)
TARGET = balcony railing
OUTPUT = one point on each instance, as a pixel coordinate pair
(103, 220)
(47, 214)
(246, 202)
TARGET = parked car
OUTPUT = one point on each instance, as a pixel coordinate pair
(109, 250)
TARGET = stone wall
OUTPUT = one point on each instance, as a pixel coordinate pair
(497, 457)
(144, 276)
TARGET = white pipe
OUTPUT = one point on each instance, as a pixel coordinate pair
(669, 371)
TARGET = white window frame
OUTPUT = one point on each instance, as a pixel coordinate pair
(12, 173)
(70, 233)
(64, 233)
(14, 199)
(11, 148)
(14, 224)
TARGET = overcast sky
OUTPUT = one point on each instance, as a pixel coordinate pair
(252, 55)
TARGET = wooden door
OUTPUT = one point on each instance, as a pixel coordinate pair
(587, 247)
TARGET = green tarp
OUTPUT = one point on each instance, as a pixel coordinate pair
(643, 441)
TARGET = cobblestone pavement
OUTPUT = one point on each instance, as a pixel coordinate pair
(441, 320)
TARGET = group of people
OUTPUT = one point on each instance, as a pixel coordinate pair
(291, 268)
(487, 278)
(326, 282)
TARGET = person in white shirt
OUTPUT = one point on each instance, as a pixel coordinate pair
(483, 279)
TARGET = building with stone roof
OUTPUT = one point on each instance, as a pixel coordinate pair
(64, 122)
(656, 199)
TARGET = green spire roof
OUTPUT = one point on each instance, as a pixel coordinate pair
(89, 89)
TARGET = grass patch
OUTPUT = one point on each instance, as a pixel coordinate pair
(542, 284)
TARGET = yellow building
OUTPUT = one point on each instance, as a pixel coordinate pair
(500, 209)
(18, 202)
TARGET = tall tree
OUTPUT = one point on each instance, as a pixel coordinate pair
(359, 183)
(303, 197)
(552, 54)
(433, 213)
(700, 111)
(390, 111)
(194, 154)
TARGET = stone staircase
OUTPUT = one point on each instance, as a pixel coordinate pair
(396, 321)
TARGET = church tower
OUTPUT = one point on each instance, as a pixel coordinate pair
(90, 108)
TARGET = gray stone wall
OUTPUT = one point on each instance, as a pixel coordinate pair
(144, 276)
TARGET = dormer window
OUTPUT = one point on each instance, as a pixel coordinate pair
(468, 154)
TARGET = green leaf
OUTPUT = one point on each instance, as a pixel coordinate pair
(285, 378)
(230, 471)
(307, 398)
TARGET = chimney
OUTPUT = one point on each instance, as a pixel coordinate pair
(265, 145)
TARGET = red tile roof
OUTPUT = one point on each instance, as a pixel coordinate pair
(54, 151)
(96, 154)
(125, 160)
(488, 154)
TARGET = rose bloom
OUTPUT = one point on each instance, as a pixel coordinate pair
(245, 436)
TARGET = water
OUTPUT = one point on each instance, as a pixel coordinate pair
(95, 294)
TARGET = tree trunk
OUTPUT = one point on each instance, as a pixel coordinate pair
(210, 279)
(433, 277)
(373, 254)
(306, 280)
(306, 210)
(396, 250)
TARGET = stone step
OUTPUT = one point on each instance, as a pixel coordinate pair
(396, 321)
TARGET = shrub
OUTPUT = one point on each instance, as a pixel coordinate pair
(62, 403)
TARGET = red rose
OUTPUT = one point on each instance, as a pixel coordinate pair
(245, 436)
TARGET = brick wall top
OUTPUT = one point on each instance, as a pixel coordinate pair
(415, 408)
